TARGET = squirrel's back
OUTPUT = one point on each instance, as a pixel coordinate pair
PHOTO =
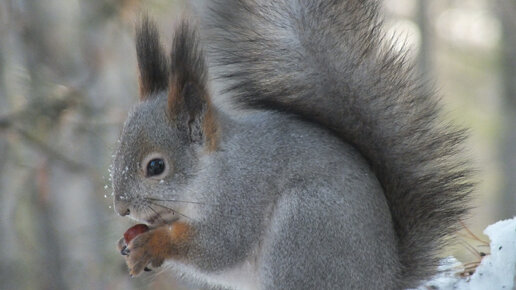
(326, 62)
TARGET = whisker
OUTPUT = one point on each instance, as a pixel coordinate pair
(203, 203)
(175, 211)
(219, 232)
(172, 210)
(180, 201)
(158, 215)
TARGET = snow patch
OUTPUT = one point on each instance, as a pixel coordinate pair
(496, 271)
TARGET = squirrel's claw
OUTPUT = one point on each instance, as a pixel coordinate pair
(139, 255)
(125, 251)
(121, 245)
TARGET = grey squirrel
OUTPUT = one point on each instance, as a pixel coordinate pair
(338, 172)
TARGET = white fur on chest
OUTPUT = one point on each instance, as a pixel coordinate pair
(242, 276)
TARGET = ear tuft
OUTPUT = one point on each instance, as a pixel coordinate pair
(152, 61)
(187, 59)
(188, 100)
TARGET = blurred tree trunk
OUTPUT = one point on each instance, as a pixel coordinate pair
(53, 209)
(67, 71)
(38, 53)
(48, 234)
(507, 12)
(424, 56)
(5, 250)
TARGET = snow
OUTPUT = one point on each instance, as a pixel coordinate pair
(496, 271)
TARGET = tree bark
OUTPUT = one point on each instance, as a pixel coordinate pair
(507, 12)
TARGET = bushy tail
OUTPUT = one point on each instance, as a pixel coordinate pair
(327, 62)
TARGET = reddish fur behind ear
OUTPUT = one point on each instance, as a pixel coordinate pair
(188, 99)
(141, 88)
(210, 127)
(174, 102)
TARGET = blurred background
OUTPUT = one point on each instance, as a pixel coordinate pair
(68, 78)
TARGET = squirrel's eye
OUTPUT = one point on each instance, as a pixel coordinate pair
(155, 167)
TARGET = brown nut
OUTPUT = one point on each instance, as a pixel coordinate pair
(133, 231)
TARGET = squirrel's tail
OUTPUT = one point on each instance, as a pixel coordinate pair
(327, 61)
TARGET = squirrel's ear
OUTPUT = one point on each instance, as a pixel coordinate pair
(189, 102)
(152, 61)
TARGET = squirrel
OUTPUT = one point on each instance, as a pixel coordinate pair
(338, 171)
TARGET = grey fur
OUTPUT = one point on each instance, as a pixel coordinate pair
(325, 61)
(345, 179)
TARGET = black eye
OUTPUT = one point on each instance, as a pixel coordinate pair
(155, 167)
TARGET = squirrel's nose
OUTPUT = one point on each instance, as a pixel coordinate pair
(122, 207)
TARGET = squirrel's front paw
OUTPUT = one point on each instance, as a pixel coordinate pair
(142, 251)
(155, 246)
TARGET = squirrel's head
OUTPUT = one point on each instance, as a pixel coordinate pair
(167, 131)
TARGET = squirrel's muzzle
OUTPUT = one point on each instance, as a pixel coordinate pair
(122, 207)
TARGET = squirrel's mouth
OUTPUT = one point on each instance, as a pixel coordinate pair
(159, 219)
